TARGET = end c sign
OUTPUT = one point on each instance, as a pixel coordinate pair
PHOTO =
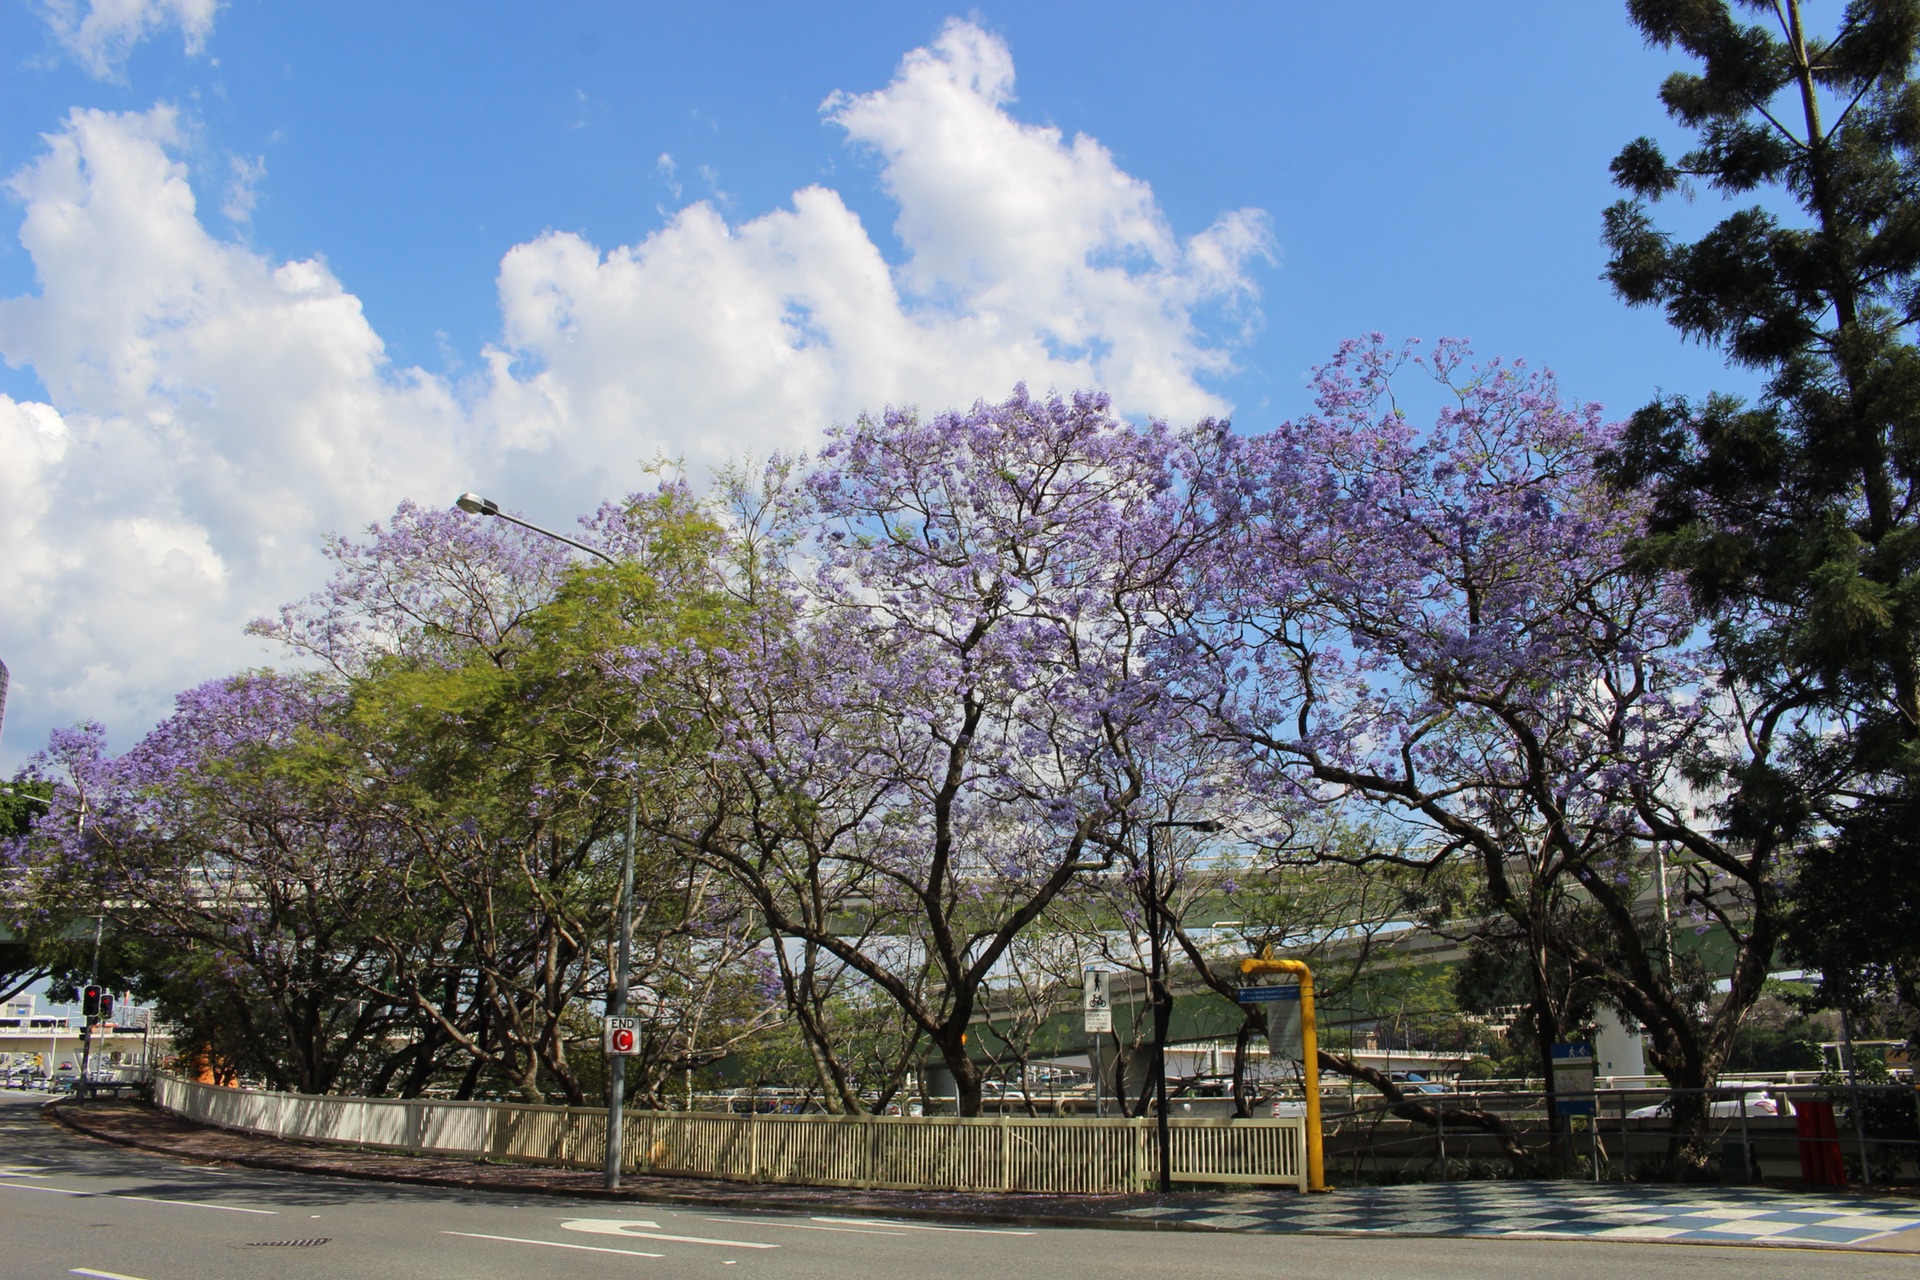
(622, 1037)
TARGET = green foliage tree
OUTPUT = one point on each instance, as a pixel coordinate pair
(1797, 517)
(375, 874)
(501, 761)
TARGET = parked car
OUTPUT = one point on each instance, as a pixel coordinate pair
(1205, 1089)
(1414, 1082)
(1759, 1102)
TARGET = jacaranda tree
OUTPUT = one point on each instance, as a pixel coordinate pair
(1435, 623)
(937, 712)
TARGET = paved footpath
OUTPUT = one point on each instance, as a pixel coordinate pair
(1605, 1211)
(1666, 1213)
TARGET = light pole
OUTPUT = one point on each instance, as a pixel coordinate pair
(87, 1016)
(474, 504)
(1162, 1004)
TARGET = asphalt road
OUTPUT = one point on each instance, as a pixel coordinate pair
(69, 1206)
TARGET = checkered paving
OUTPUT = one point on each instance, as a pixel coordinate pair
(1596, 1211)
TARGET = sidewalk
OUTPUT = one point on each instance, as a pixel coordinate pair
(1670, 1214)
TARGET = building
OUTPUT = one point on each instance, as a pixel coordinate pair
(49, 1044)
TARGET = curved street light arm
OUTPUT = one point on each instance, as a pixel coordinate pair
(474, 504)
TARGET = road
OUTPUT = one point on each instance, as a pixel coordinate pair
(72, 1207)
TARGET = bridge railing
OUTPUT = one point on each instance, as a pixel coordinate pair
(1079, 1155)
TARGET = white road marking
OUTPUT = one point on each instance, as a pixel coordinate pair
(114, 1195)
(192, 1204)
(618, 1227)
(103, 1275)
(916, 1226)
(554, 1244)
(18, 1171)
(803, 1226)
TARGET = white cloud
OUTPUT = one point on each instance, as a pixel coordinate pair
(1028, 257)
(214, 411)
(669, 173)
(1035, 235)
(103, 34)
(242, 196)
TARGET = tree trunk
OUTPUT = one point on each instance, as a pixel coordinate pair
(805, 1001)
(1546, 1023)
(951, 1040)
(1686, 1067)
(897, 1077)
(1242, 1107)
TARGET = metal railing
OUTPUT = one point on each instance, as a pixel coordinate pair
(1752, 1131)
(945, 1153)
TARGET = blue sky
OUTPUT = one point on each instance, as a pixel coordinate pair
(267, 269)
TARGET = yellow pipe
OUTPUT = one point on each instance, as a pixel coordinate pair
(1310, 1051)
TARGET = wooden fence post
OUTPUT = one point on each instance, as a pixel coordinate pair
(1006, 1151)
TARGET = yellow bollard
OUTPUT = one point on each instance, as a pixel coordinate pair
(1309, 1051)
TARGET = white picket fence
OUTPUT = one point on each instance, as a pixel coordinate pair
(931, 1153)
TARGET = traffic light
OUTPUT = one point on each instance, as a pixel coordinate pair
(90, 1002)
(106, 1006)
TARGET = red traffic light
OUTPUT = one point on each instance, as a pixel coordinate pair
(90, 1002)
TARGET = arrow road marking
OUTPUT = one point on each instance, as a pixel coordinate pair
(619, 1227)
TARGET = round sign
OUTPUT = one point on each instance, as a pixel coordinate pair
(623, 1041)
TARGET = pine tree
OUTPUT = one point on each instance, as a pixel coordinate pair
(1796, 517)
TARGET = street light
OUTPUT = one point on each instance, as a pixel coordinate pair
(1162, 1004)
(474, 504)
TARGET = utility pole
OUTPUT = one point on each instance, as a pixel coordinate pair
(617, 998)
(474, 504)
(1162, 999)
(90, 1010)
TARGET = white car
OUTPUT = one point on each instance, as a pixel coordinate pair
(1758, 1103)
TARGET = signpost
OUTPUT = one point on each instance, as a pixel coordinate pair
(1094, 1000)
(620, 1037)
(1292, 1010)
(1096, 1007)
(1573, 1074)
(1284, 1024)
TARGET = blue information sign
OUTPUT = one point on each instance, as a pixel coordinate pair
(1573, 1074)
